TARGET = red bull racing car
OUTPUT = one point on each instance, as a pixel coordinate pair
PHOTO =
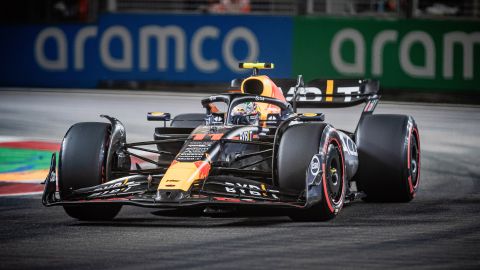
(250, 150)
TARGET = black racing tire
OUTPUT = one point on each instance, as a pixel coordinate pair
(188, 120)
(298, 145)
(82, 164)
(389, 158)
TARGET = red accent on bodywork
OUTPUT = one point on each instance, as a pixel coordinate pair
(226, 199)
(204, 168)
(213, 108)
(216, 137)
(277, 93)
(199, 137)
(212, 137)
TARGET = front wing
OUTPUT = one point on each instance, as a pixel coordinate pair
(140, 190)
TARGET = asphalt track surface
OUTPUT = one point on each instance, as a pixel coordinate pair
(439, 229)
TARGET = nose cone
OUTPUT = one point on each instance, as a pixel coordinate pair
(181, 175)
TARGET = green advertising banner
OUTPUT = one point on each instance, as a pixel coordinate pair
(407, 54)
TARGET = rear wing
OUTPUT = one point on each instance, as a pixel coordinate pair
(328, 93)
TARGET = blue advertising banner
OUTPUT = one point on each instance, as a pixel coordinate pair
(176, 48)
(48, 56)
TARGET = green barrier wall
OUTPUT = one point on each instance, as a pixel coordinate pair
(413, 54)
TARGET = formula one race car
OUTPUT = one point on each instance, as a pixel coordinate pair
(251, 150)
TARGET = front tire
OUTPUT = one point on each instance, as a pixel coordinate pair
(82, 164)
(297, 147)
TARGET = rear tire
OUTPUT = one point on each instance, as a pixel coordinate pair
(188, 120)
(389, 158)
(297, 147)
(82, 164)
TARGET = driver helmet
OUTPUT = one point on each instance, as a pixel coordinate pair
(245, 113)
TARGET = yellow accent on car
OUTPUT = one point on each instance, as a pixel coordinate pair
(256, 65)
(329, 91)
(181, 175)
(309, 114)
(157, 113)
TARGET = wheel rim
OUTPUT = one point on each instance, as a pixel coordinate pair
(334, 177)
(414, 161)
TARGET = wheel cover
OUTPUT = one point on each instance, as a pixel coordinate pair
(414, 165)
(334, 176)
